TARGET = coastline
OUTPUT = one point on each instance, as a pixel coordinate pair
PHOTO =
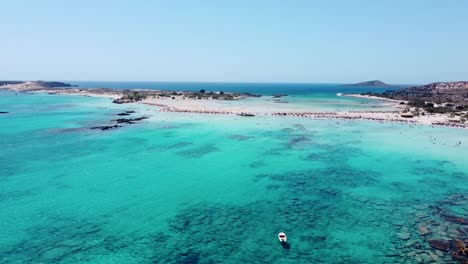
(179, 103)
(372, 97)
(378, 116)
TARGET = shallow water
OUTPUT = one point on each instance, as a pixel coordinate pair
(217, 189)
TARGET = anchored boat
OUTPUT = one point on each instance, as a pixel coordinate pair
(282, 237)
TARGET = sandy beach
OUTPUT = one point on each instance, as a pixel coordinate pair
(213, 107)
(373, 97)
(265, 107)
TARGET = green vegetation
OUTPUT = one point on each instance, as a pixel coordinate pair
(431, 108)
(133, 96)
(418, 103)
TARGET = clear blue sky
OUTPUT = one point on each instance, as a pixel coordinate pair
(401, 41)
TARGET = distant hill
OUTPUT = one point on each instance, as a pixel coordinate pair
(374, 83)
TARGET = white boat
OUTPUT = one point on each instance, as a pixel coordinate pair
(282, 237)
(339, 94)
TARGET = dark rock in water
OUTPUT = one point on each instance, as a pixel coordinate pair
(118, 101)
(123, 100)
(456, 219)
(279, 95)
(2, 112)
(129, 120)
(106, 127)
(189, 258)
(199, 151)
(440, 244)
(126, 113)
(245, 114)
(299, 140)
(457, 248)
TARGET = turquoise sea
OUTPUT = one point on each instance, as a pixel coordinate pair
(189, 188)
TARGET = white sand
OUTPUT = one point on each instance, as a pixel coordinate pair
(260, 107)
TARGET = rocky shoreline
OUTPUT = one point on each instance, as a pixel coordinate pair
(447, 98)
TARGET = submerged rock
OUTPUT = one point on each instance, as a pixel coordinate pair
(442, 245)
(456, 219)
(279, 95)
(126, 113)
(129, 120)
(3, 112)
(423, 230)
(199, 151)
(404, 234)
(458, 249)
(106, 127)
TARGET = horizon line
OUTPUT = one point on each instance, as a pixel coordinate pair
(218, 82)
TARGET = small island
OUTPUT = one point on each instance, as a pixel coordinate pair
(374, 83)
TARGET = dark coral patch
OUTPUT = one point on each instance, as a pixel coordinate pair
(199, 151)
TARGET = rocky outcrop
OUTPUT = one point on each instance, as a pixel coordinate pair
(439, 92)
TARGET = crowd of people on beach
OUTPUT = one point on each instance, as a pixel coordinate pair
(350, 115)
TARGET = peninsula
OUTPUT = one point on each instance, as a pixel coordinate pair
(449, 99)
(120, 96)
